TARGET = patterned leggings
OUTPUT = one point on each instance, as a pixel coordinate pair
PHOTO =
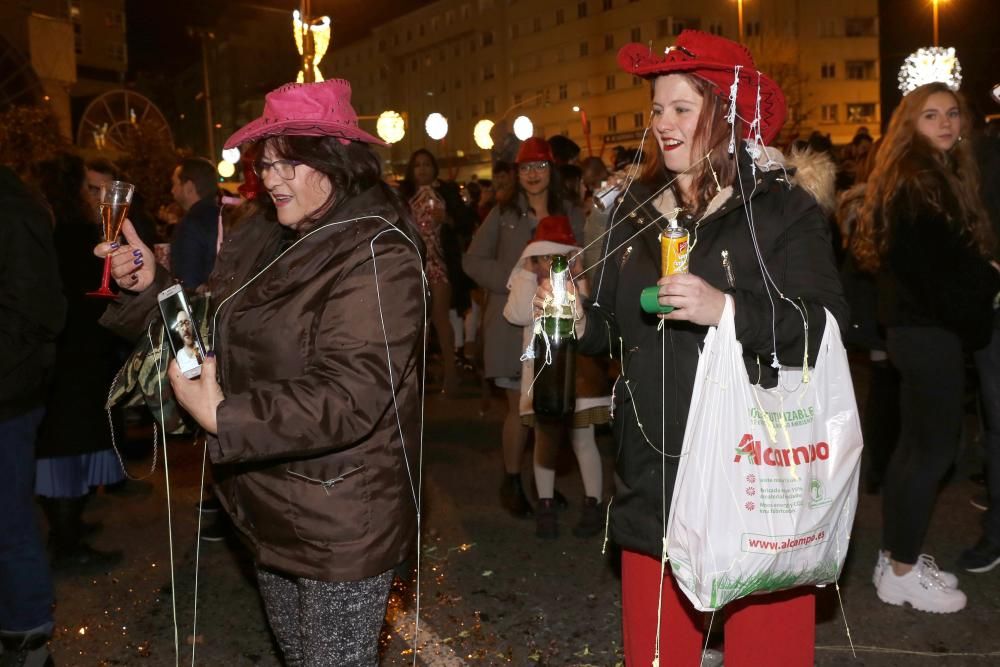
(323, 623)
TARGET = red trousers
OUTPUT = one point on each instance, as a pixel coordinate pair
(772, 629)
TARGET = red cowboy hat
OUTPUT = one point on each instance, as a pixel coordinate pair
(715, 60)
(306, 109)
(534, 149)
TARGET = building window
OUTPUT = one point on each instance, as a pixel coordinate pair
(581, 10)
(436, 22)
(751, 29)
(444, 87)
(490, 105)
(828, 28)
(715, 28)
(863, 112)
(536, 24)
(609, 42)
(863, 26)
(488, 73)
(584, 48)
(413, 65)
(609, 82)
(515, 31)
(639, 120)
(475, 111)
(381, 45)
(395, 40)
(458, 84)
(473, 44)
(607, 5)
(488, 38)
(409, 35)
(458, 50)
(517, 98)
(563, 91)
(560, 17)
(828, 71)
(78, 38)
(635, 35)
(828, 113)
(860, 69)
(421, 29)
(612, 123)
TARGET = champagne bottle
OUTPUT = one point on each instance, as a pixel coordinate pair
(554, 390)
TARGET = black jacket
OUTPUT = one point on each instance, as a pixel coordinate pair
(32, 307)
(794, 240)
(933, 276)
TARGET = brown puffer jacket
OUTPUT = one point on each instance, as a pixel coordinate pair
(319, 348)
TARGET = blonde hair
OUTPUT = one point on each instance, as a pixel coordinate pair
(907, 158)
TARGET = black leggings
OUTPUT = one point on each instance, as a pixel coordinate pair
(931, 367)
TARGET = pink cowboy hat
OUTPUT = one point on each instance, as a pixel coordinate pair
(306, 109)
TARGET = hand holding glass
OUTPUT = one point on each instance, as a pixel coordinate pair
(115, 199)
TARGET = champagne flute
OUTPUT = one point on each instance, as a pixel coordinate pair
(115, 199)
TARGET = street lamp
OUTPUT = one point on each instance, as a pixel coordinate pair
(523, 127)
(391, 127)
(585, 124)
(935, 3)
(739, 20)
(231, 155)
(481, 134)
(436, 126)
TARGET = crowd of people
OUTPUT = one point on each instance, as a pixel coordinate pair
(324, 276)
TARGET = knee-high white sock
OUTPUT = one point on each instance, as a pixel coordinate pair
(545, 477)
(589, 459)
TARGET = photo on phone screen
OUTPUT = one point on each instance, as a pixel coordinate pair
(182, 331)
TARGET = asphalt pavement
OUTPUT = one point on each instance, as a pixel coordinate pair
(490, 593)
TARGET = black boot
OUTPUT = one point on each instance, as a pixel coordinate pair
(25, 650)
(512, 497)
(546, 521)
(68, 551)
(591, 518)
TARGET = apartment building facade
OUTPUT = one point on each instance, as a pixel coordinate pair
(496, 59)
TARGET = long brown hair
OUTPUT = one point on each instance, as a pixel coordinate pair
(711, 136)
(907, 159)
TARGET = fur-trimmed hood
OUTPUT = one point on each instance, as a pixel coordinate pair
(815, 173)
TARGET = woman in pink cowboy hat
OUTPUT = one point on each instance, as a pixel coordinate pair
(712, 114)
(311, 395)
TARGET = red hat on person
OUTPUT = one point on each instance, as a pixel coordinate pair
(553, 236)
(716, 60)
(306, 109)
(534, 149)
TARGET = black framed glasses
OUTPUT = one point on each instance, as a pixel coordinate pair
(284, 168)
(525, 167)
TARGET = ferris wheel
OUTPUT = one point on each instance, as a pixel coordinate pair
(18, 82)
(109, 118)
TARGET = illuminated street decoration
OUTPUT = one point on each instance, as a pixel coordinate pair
(226, 168)
(481, 134)
(390, 127)
(436, 126)
(312, 40)
(928, 65)
(231, 155)
(523, 128)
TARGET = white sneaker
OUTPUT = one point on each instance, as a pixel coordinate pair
(883, 563)
(922, 588)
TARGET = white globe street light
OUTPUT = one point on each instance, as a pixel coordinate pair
(226, 168)
(481, 134)
(231, 155)
(390, 127)
(523, 128)
(436, 126)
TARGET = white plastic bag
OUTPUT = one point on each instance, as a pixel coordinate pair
(767, 482)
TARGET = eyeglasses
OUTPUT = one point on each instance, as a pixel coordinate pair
(525, 167)
(284, 168)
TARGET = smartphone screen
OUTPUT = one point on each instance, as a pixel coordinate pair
(182, 331)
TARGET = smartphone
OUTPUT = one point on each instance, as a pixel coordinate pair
(182, 330)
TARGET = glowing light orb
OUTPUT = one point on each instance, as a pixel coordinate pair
(231, 155)
(226, 168)
(390, 127)
(481, 134)
(436, 126)
(523, 128)
(928, 65)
